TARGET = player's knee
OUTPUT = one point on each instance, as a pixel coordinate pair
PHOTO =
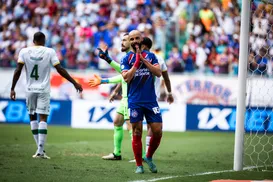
(33, 117)
(118, 121)
(157, 131)
(149, 133)
(137, 131)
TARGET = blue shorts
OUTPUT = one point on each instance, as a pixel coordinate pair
(150, 110)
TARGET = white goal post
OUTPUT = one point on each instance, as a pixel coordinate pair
(254, 148)
(242, 75)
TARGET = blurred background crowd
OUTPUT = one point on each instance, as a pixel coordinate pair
(191, 35)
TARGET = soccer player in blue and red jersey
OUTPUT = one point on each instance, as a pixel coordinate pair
(138, 70)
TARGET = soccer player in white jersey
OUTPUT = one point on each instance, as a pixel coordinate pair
(37, 61)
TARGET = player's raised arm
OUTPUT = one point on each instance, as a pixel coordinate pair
(127, 73)
(97, 80)
(153, 67)
(105, 56)
(115, 92)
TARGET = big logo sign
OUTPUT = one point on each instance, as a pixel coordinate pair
(220, 118)
(16, 112)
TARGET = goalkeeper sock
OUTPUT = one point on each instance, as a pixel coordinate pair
(137, 148)
(154, 143)
(118, 137)
(42, 133)
(148, 138)
(34, 129)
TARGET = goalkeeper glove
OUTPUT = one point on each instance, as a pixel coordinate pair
(104, 55)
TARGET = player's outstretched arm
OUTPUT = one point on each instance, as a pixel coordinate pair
(116, 66)
(16, 76)
(97, 80)
(66, 75)
(105, 56)
(168, 86)
(115, 92)
(155, 69)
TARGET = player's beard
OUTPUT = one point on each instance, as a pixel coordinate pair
(124, 49)
(134, 46)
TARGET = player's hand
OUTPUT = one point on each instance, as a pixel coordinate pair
(112, 97)
(170, 98)
(138, 51)
(78, 87)
(13, 95)
(104, 55)
(93, 82)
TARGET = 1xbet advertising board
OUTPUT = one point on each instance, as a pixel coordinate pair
(100, 115)
(223, 118)
(16, 112)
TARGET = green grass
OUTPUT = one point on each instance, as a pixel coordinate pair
(76, 156)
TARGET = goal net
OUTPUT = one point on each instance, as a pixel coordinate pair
(258, 139)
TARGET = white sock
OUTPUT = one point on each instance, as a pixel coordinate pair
(148, 138)
(34, 129)
(42, 136)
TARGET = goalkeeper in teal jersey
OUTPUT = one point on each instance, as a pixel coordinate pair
(122, 111)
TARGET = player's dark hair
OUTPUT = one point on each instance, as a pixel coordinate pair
(125, 34)
(148, 42)
(39, 38)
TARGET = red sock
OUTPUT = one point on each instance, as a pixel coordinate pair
(137, 148)
(154, 143)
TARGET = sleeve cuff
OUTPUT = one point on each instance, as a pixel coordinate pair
(56, 63)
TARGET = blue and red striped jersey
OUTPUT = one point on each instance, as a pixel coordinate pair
(141, 89)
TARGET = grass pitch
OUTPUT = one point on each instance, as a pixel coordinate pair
(76, 156)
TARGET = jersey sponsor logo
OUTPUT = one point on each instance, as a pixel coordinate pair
(156, 110)
(36, 89)
(36, 59)
(142, 72)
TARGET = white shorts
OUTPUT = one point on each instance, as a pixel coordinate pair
(38, 103)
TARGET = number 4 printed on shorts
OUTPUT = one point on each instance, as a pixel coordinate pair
(34, 72)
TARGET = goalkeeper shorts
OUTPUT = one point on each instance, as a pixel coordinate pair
(123, 108)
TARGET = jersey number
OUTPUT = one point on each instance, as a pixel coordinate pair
(34, 72)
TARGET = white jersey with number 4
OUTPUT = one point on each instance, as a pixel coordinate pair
(38, 61)
(163, 68)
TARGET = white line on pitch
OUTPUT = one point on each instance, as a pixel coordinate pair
(171, 177)
(197, 174)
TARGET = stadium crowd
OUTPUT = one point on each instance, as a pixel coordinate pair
(192, 36)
